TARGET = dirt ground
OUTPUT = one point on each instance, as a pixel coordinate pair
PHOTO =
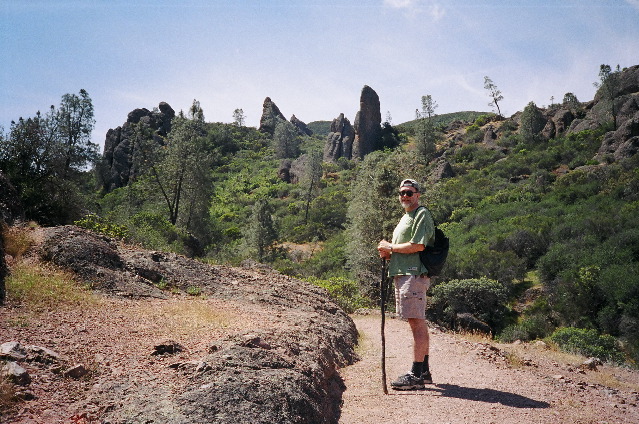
(477, 383)
(474, 381)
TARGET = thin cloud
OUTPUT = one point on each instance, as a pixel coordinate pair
(435, 10)
(401, 4)
(633, 3)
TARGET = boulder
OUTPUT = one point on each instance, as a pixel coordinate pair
(16, 374)
(367, 123)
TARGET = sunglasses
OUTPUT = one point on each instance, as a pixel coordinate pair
(407, 193)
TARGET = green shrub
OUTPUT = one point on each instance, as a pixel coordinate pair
(101, 225)
(531, 327)
(344, 291)
(482, 297)
(588, 342)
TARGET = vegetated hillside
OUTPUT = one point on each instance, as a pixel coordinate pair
(540, 208)
(442, 120)
(320, 128)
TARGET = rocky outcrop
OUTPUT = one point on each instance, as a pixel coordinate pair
(339, 142)
(441, 170)
(367, 123)
(270, 115)
(300, 126)
(283, 373)
(117, 165)
(622, 143)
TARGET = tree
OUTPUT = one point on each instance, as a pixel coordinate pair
(426, 134)
(45, 158)
(180, 169)
(493, 93)
(286, 140)
(372, 214)
(74, 125)
(570, 101)
(261, 232)
(532, 123)
(608, 86)
(311, 179)
(238, 117)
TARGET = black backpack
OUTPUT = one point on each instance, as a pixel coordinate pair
(434, 257)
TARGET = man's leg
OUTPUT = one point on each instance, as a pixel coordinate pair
(421, 341)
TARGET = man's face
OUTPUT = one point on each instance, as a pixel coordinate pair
(409, 197)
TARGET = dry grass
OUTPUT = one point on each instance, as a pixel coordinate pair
(39, 287)
(7, 394)
(17, 241)
(185, 316)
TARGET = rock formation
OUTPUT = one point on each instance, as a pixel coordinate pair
(117, 165)
(339, 142)
(270, 115)
(300, 126)
(286, 372)
(367, 123)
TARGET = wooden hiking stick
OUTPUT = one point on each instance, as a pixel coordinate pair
(382, 290)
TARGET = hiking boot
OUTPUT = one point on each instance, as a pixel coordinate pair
(428, 379)
(408, 382)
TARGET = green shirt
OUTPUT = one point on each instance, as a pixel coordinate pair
(416, 227)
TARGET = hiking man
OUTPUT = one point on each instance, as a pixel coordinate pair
(413, 232)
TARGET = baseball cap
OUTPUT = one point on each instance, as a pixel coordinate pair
(410, 183)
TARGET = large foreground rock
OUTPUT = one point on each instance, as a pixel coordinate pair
(285, 374)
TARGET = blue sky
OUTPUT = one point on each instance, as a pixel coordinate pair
(311, 57)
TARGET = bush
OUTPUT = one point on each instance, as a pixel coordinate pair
(101, 225)
(344, 292)
(588, 342)
(532, 327)
(17, 241)
(484, 298)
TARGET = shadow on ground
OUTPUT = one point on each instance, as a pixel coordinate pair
(487, 395)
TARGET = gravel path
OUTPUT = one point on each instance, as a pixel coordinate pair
(478, 382)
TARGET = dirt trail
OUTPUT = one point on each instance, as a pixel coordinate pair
(474, 383)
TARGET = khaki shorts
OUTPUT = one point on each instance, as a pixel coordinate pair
(410, 295)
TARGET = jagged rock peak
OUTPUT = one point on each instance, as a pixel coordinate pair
(367, 123)
(270, 115)
(300, 126)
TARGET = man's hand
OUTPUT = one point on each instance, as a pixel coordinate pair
(385, 249)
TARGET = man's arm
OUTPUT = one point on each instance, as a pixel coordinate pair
(408, 247)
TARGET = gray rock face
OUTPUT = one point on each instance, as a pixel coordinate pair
(622, 143)
(270, 115)
(117, 165)
(300, 126)
(367, 123)
(339, 142)
(442, 170)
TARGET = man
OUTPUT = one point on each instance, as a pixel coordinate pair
(413, 232)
